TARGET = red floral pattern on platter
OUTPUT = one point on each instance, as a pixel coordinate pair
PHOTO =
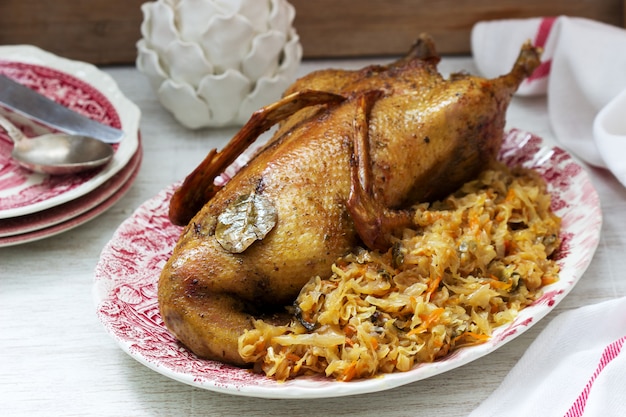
(20, 187)
(127, 274)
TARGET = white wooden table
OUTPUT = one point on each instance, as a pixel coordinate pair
(57, 360)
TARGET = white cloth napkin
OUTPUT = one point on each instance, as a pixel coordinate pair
(583, 73)
(576, 367)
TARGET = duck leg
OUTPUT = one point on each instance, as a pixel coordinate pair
(198, 188)
(374, 222)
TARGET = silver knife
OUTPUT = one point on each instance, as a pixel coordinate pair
(34, 106)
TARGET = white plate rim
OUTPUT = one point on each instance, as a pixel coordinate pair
(53, 220)
(128, 113)
(579, 206)
(79, 219)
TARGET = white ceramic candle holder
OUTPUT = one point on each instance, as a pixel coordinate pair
(214, 62)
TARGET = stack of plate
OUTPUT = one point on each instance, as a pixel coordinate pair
(34, 206)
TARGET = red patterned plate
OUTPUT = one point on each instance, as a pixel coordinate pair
(23, 228)
(125, 288)
(80, 87)
(71, 223)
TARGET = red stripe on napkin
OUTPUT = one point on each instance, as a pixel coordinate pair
(544, 31)
(541, 38)
(543, 70)
(610, 353)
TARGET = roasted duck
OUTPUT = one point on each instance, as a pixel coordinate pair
(353, 151)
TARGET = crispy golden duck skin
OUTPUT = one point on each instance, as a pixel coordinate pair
(353, 151)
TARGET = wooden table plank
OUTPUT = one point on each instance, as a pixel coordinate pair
(340, 28)
(106, 31)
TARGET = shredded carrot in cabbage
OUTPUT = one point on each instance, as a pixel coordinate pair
(470, 263)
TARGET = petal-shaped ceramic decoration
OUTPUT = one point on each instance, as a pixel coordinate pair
(226, 40)
(281, 18)
(228, 57)
(187, 62)
(192, 16)
(183, 102)
(263, 58)
(257, 13)
(224, 94)
(158, 25)
(292, 55)
(148, 63)
(265, 87)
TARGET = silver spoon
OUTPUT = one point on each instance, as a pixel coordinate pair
(57, 153)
